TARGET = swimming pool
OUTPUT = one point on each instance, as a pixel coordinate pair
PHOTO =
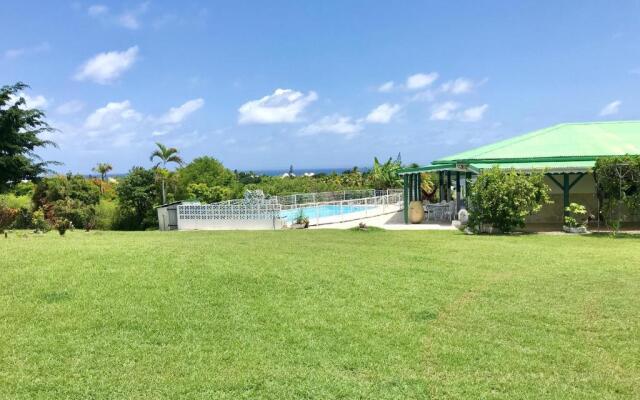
(321, 211)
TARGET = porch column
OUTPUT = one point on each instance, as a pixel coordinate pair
(405, 197)
(565, 194)
(448, 186)
(418, 186)
(458, 190)
(566, 186)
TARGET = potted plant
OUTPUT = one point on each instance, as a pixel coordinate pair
(301, 221)
(576, 219)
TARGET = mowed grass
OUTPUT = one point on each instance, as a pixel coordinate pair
(318, 314)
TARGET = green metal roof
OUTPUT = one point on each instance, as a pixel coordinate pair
(574, 140)
(560, 148)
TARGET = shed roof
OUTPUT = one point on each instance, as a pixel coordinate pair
(566, 147)
(577, 140)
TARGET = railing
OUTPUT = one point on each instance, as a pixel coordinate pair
(274, 212)
(347, 210)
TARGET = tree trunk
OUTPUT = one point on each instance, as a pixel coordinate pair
(164, 194)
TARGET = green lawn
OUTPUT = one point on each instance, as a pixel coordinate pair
(318, 314)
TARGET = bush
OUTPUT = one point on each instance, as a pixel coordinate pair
(207, 194)
(39, 223)
(618, 184)
(23, 219)
(62, 225)
(80, 215)
(7, 217)
(136, 196)
(14, 201)
(24, 189)
(503, 199)
(577, 215)
(106, 215)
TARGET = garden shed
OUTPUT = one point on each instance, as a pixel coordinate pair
(565, 153)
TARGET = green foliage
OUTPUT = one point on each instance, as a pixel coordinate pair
(71, 197)
(24, 188)
(38, 221)
(206, 194)
(385, 176)
(7, 217)
(80, 214)
(165, 155)
(62, 225)
(62, 187)
(209, 171)
(15, 201)
(106, 214)
(577, 215)
(618, 184)
(20, 131)
(503, 199)
(136, 195)
(302, 219)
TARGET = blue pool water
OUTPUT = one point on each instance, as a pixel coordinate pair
(320, 211)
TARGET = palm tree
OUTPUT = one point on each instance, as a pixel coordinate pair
(102, 169)
(166, 155)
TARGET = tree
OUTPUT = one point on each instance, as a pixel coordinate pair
(20, 136)
(166, 155)
(503, 199)
(102, 169)
(385, 176)
(137, 194)
(210, 172)
(618, 184)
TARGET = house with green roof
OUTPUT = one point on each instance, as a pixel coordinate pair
(565, 153)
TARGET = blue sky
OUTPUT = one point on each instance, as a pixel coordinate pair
(262, 85)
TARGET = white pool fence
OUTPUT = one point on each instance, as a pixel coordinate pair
(257, 211)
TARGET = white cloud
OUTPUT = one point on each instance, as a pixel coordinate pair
(444, 111)
(458, 86)
(97, 10)
(333, 124)
(38, 101)
(419, 81)
(474, 114)
(461, 85)
(111, 117)
(175, 115)
(129, 21)
(611, 108)
(386, 87)
(283, 106)
(383, 113)
(70, 107)
(105, 67)
(12, 54)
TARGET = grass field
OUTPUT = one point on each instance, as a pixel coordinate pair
(318, 314)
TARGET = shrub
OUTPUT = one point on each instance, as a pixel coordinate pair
(62, 225)
(618, 185)
(7, 217)
(136, 196)
(25, 188)
(80, 215)
(39, 223)
(207, 194)
(106, 215)
(14, 201)
(23, 219)
(577, 215)
(503, 199)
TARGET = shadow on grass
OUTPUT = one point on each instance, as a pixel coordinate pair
(610, 235)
